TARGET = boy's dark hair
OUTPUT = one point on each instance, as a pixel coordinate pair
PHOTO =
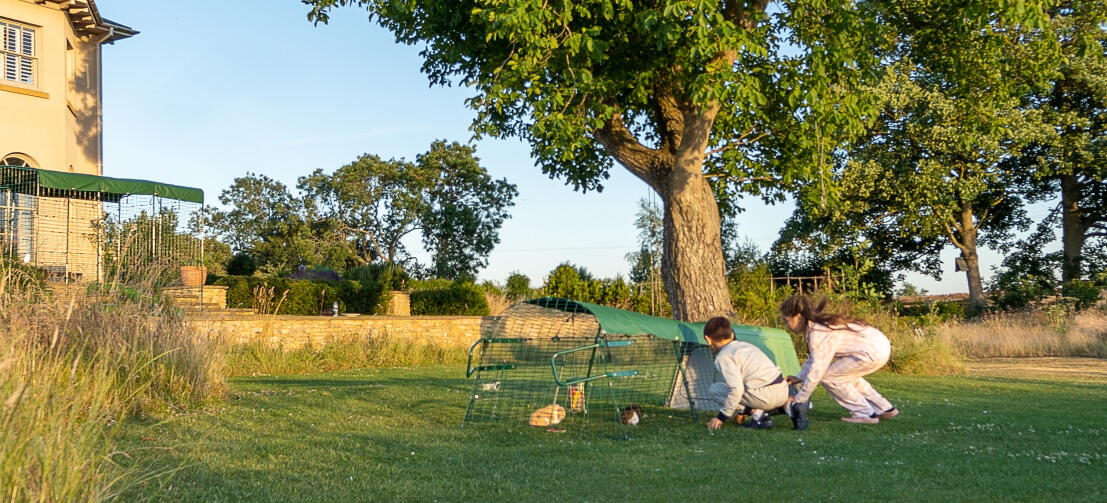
(718, 328)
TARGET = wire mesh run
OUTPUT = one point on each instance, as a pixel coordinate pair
(540, 367)
(82, 235)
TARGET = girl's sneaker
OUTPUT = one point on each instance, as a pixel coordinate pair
(888, 414)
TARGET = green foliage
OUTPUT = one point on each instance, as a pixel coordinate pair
(464, 210)
(305, 297)
(446, 196)
(934, 311)
(645, 263)
(217, 257)
(755, 300)
(573, 282)
(1084, 293)
(518, 286)
(277, 228)
(242, 264)
(391, 276)
(459, 299)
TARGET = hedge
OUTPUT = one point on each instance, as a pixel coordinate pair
(307, 297)
(458, 299)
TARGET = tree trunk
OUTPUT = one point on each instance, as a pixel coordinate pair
(1072, 228)
(692, 263)
(968, 231)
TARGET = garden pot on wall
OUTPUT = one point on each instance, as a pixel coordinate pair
(192, 275)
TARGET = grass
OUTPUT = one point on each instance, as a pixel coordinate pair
(71, 369)
(392, 434)
(1028, 334)
(341, 352)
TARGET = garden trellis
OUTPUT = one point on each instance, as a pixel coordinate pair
(79, 227)
(578, 366)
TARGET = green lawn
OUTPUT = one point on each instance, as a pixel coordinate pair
(385, 435)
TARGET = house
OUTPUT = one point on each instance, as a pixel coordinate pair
(50, 83)
(51, 119)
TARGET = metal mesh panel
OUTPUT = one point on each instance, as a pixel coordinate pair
(76, 235)
(534, 365)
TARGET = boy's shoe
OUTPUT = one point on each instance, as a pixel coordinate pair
(799, 415)
(861, 420)
(888, 414)
(764, 423)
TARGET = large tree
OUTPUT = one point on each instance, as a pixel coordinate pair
(680, 93)
(463, 209)
(375, 203)
(445, 196)
(263, 218)
(1074, 163)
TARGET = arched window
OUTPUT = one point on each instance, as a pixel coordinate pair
(17, 160)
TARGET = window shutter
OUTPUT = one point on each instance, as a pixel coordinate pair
(28, 42)
(10, 38)
(10, 67)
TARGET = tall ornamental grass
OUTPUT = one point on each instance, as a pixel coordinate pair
(73, 364)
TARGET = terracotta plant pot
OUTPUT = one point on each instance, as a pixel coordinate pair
(192, 275)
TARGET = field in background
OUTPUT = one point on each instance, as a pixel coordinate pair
(1028, 334)
(393, 435)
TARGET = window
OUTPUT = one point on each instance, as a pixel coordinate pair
(15, 160)
(17, 54)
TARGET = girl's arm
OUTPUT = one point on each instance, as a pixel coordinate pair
(822, 344)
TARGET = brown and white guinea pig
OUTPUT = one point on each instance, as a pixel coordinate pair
(632, 415)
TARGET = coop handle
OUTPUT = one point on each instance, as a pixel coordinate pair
(576, 380)
(469, 370)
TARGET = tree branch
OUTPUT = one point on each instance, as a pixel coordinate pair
(740, 142)
(640, 160)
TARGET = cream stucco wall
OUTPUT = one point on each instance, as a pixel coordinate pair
(58, 128)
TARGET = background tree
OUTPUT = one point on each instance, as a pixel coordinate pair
(462, 209)
(275, 227)
(645, 263)
(1074, 163)
(659, 87)
(374, 203)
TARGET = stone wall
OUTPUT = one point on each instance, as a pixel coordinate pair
(295, 331)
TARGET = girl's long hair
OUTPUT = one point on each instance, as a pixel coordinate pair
(801, 304)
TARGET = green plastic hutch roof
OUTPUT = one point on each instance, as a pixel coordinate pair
(111, 189)
(776, 343)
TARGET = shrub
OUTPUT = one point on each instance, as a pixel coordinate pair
(459, 299)
(518, 286)
(323, 273)
(1085, 293)
(390, 276)
(306, 297)
(242, 264)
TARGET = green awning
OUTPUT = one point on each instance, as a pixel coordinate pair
(111, 189)
(776, 343)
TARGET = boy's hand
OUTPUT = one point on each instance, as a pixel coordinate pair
(792, 380)
(714, 424)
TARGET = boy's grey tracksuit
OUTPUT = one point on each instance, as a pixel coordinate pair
(750, 379)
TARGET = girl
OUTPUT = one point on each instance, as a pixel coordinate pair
(841, 350)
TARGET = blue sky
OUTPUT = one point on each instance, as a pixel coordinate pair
(213, 89)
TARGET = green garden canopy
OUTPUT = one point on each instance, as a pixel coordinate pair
(773, 341)
(26, 180)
